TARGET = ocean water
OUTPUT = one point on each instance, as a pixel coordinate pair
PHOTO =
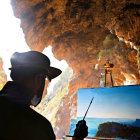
(93, 123)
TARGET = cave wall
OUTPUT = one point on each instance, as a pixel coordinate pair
(78, 32)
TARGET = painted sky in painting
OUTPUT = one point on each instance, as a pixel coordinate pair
(110, 102)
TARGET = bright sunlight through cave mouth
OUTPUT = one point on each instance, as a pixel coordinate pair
(12, 40)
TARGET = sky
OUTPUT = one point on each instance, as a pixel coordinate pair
(11, 35)
(110, 102)
(12, 40)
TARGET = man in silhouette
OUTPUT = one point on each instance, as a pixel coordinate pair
(29, 72)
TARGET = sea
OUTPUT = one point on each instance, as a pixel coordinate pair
(93, 123)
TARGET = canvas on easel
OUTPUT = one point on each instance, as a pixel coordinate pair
(114, 113)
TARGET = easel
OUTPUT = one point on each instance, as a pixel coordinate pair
(108, 71)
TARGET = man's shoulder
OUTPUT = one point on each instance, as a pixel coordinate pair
(37, 117)
(4, 103)
(21, 112)
(16, 118)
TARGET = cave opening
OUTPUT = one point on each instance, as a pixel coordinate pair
(11, 35)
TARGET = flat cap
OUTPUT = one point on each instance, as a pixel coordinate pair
(34, 59)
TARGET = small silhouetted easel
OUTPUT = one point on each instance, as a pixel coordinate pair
(108, 73)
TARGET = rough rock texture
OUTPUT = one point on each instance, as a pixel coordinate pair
(80, 32)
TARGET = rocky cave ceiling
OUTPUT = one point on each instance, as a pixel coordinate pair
(85, 33)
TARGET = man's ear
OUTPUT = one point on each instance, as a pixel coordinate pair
(34, 83)
(37, 79)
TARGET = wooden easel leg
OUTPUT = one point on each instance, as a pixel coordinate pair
(111, 79)
(105, 77)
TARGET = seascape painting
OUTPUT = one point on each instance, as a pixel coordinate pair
(114, 112)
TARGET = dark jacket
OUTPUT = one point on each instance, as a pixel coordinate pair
(17, 120)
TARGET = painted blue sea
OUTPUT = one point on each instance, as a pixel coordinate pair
(93, 123)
